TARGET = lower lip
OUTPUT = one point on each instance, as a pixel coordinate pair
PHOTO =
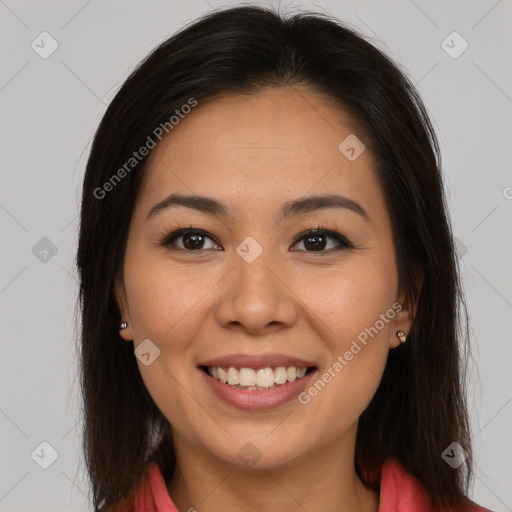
(258, 400)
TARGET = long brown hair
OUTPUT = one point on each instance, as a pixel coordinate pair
(420, 406)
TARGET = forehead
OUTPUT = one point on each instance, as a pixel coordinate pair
(273, 145)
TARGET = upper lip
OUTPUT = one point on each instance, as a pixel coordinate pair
(257, 361)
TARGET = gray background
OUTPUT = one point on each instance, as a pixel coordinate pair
(50, 109)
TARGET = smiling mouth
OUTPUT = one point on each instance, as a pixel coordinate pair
(262, 379)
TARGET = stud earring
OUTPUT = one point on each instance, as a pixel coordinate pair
(124, 325)
(401, 336)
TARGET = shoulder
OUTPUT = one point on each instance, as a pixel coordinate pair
(131, 501)
(400, 490)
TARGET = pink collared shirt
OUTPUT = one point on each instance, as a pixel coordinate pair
(399, 491)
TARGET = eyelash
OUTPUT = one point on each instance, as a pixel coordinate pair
(167, 240)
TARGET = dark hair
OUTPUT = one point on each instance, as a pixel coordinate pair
(419, 408)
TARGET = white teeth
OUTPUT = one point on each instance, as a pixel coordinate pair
(291, 372)
(263, 377)
(233, 377)
(223, 376)
(247, 376)
(280, 375)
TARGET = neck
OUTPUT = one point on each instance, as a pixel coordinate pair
(323, 481)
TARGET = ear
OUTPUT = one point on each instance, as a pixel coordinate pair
(408, 301)
(122, 303)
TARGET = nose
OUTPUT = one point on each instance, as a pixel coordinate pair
(256, 298)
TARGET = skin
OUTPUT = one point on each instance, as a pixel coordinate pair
(254, 153)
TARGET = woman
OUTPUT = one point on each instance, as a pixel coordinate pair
(269, 288)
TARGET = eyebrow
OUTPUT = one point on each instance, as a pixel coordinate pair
(291, 208)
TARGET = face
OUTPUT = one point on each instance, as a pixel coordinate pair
(252, 282)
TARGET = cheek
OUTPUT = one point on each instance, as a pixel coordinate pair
(354, 309)
(348, 299)
(165, 298)
(168, 304)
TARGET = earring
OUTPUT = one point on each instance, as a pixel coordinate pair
(401, 336)
(124, 325)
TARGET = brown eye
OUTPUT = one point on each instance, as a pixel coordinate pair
(315, 240)
(192, 240)
(196, 240)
